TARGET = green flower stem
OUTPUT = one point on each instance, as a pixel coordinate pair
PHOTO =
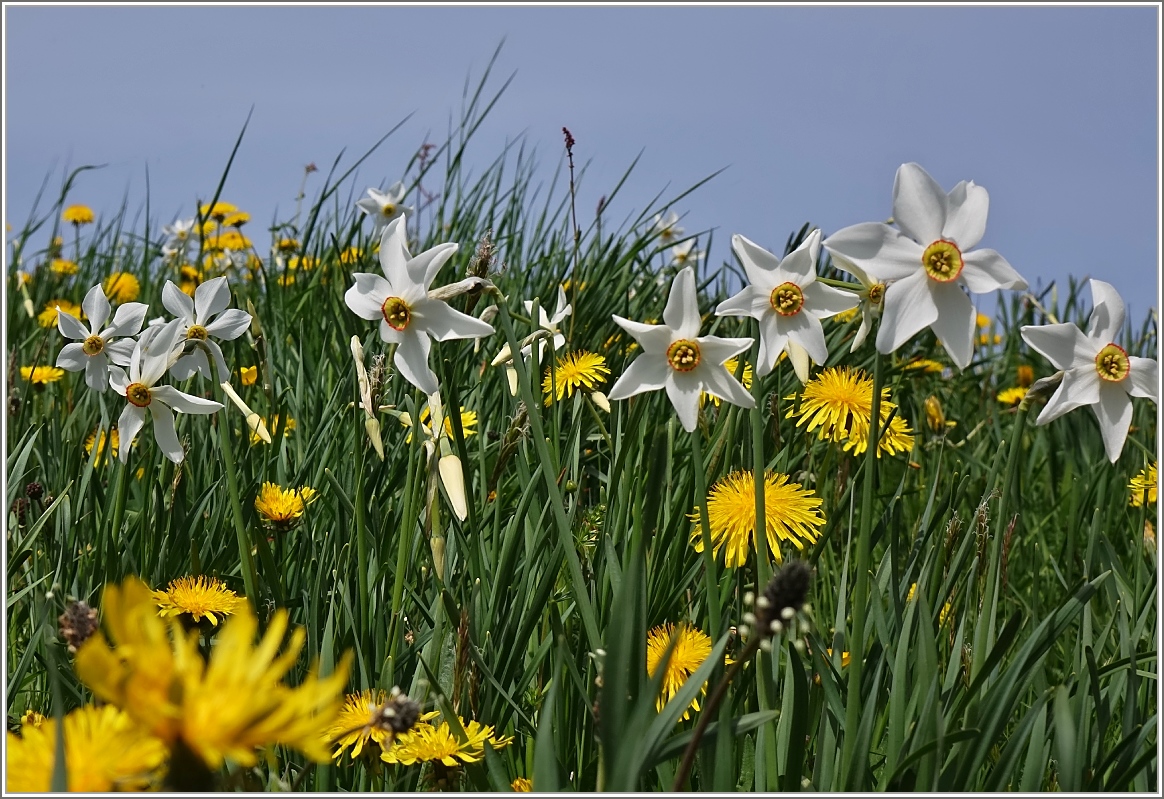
(577, 581)
(123, 478)
(250, 580)
(860, 600)
(710, 566)
(361, 515)
(407, 526)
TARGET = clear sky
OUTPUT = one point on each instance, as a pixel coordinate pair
(1054, 110)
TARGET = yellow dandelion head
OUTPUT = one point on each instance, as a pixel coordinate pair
(248, 375)
(1143, 487)
(40, 376)
(982, 320)
(283, 507)
(32, 718)
(287, 245)
(237, 219)
(468, 423)
(521, 785)
(791, 513)
(839, 401)
(575, 371)
(48, 317)
(732, 365)
(846, 658)
(223, 708)
(307, 262)
(1025, 375)
(78, 215)
(121, 287)
(426, 743)
(352, 255)
(105, 750)
(60, 266)
(373, 716)
(898, 438)
(692, 647)
(847, 316)
(98, 438)
(946, 614)
(218, 212)
(197, 597)
(925, 365)
(1011, 396)
(271, 424)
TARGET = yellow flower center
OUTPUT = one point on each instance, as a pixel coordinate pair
(197, 332)
(138, 394)
(388, 209)
(1112, 363)
(942, 261)
(93, 345)
(876, 293)
(787, 299)
(396, 313)
(683, 355)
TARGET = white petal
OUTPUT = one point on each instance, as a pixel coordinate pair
(715, 350)
(919, 204)
(120, 351)
(127, 320)
(394, 255)
(986, 271)
(186, 403)
(155, 357)
(562, 309)
(759, 265)
(805, 329)
(724, 385)
(368, 206)
(1142, 379)
(97, 372)
(210, 299)
(654, 339)
(683, 390)
(862, 330)
(118, 379)
(220, 366)
(453, 479)
(1107, 314)
(1079, 388)
(366, 297)
(412, 361)
(1063, 344)
(799, 359)
(907, 308)
(511, 378)
(423, 268)
(231, 324)
(966, 209)
(129, 424)
(824, 301)
(773, 341)
(1114, 413)
(164, 432)
(443, 322)
(395, 192)
(178, 303)
(845, 265)
(72, 357)
(877, 248)
(187, 366)
(955, 322)
(799, 266)
(70, 326)
(389, 334)
(749, 302)
(646, 373)
(682, 311)
(96, 307)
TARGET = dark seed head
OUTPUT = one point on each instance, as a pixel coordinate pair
(77, 624)
(788, 588)
(34, 490)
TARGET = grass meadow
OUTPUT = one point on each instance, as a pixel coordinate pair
(977, 612)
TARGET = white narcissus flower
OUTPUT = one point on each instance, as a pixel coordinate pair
(384, 206)
(1096, 371)
(786, 299)
(928, 259)
(872, 297)
(93, 349)
(200, 318)
(677, 358)
(547, 328)
(178, 236)
(684, 253)
(408, 312)
(667, 227)
(147, 364)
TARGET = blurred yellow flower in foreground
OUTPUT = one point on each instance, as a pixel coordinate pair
(105, 750)
(224, 708)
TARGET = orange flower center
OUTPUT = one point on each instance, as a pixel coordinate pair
(1112, 363)
(396, 313)
(787, 299)
(943, 261)
(93, 345)
(138, 394)
(876, 293)
(683, 355)
(197, 332)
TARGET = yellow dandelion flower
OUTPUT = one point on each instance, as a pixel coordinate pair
(104, 751)
(189, 279)
(223, 708)
(248, 375)
(78, 215)
(898, 438)
(947, 613)
(521, 785)
(286, 279)
(122, 287)
(197, 597)
(1025, 375)
(48, 317)
(362, 720)
(271, 423)
(351, 255)
(60, 266)
(1144, 484)
(208, 227)
(283, 507)
(99, 439)
(791, 513)
(692, 647)
(307, 262)
(231, 240)
(287, 245)
(846, 658)
(574, 372)
(925, 365)
(218, 212)
(425, 743)
(237, 219)
(731, 364)
(839, 401)
(1011, 396)
(40, 376)
(847, 316)
(468, 422)
(32, 718)
(982, 320)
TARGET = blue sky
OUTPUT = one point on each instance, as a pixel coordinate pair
(1053, 110)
